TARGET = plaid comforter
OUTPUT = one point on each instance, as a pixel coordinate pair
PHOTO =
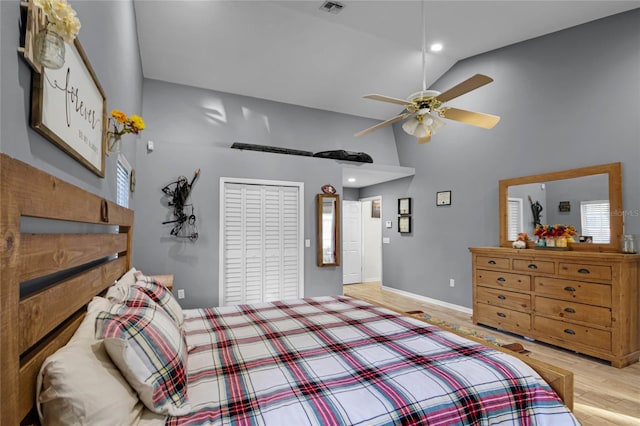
(338, 360)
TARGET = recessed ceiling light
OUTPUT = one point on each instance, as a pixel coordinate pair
(351, 180)
(436, 47)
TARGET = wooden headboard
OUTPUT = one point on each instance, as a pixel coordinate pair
(67, 268)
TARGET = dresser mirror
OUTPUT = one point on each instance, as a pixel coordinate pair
(589, 198)
(328, 225)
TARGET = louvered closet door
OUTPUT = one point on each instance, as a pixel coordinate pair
(261, 243)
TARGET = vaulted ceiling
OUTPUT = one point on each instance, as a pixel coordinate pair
(293, 52)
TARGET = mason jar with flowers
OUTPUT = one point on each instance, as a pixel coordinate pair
(555, 235)
(121, 124)
(62, 25)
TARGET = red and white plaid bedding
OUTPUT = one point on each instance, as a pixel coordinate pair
(338, 360)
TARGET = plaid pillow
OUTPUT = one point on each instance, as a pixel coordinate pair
(149, 349)
(161, 295)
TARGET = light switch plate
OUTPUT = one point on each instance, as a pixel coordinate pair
(386, 240)
(388, 224)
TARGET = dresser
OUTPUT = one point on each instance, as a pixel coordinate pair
(587, 302)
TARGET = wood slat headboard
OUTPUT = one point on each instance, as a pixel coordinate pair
(69, 268)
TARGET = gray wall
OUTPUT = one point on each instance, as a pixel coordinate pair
(193, 128)
(350, 194)
(109, 38)
(569, 99)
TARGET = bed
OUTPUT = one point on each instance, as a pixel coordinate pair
(328, 360)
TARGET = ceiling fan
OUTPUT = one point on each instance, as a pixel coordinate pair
(420, 106)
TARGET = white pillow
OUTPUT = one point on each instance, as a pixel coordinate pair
(149, 349)
(118, 291)
(79, 384)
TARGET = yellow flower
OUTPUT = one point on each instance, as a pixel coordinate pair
(137, 122)
(119, 116)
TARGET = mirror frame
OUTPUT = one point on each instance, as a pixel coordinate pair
(616, 221)
(336, 230)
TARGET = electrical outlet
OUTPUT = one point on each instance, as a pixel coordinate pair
(452, 282)
(181, 293)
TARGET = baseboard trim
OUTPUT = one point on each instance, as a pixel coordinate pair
(429, 300)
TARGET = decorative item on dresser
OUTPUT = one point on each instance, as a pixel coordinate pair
(582, 301)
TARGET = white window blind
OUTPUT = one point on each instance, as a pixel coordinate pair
(123, 173)
(261, 243)
(515, 216)
(594, 217)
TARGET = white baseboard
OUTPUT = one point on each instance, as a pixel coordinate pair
(429, 300)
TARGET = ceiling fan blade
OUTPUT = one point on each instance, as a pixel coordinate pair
(466, 86)
(425, 139)
(486, 121)
(384, 123)
(384, 98)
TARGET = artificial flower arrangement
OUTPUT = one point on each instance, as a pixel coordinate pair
(551, 233)
(123, 124)
(61, 18)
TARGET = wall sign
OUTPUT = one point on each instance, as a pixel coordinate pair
(68, 107)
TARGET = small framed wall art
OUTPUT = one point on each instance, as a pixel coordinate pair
(443, 198)
(404, 224)
(404, 206)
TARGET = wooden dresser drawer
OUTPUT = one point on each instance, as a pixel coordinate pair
(573, 311)
(583, 271)
(575, 291)
(534, 266)
(507, 319)
(507, 299)
(572, 333)
(492, 262)
(503, 280)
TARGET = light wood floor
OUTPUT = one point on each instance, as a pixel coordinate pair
(604, 395)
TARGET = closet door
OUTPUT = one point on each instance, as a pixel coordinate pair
(261, 243)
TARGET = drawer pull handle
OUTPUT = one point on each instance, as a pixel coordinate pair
(501, 315)
(502, 297)
(583, 271)
(501, 279)
(532, 266)
(569, 288)
(492, 262)
(569, 331)
(570, 310)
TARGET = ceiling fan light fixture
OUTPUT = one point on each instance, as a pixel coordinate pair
(410, 125)
(422, 125)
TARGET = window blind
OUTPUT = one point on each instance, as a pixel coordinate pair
(122, 183)
(594, 217)
(514, 212)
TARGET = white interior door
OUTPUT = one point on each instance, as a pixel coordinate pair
(351, 242)
(371, 240)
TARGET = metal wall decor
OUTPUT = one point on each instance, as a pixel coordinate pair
(184, 213)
